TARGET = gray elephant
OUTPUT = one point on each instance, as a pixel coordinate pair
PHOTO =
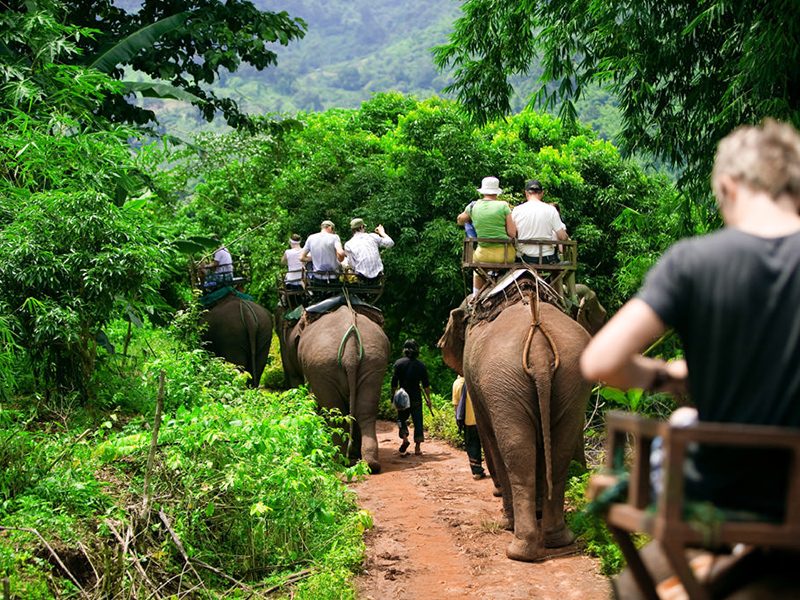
(240, 331)
(343, 355)
(522, 372)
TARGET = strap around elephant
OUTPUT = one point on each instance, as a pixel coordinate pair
(344, 339)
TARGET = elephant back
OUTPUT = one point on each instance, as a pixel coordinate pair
(373, 314)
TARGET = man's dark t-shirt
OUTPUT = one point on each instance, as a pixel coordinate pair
(409, 374)
(734, 299)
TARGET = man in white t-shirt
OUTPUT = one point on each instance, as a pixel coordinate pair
(325, 253)
(537, 219)
(220, 269)
(291, 259)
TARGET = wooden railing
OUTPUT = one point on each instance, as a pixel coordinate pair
(562, 273)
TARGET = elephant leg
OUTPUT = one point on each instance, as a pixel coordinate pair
(556, 533)
(366, 415)
(494, 462)
(518, 447)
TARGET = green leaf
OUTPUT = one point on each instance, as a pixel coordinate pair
(188, 247)
(129, 47)
(158, 90)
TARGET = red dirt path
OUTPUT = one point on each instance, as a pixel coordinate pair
(436, 536)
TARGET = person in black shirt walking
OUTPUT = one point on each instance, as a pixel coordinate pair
(410, 373)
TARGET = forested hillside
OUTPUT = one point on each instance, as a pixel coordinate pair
(353, 49)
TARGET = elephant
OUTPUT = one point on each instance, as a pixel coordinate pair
(343, 354)
(529, 396)
(240, 331)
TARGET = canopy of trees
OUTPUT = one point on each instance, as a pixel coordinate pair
(190, 52)
(685, 73)
(413, 166)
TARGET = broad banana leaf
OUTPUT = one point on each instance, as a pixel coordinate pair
(158, 90)
(126, 49)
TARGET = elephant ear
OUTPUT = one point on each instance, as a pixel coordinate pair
(452, 342)
(591, 314)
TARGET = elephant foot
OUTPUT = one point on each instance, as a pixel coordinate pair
(507, 523)
(524, 551)
(374, 467)
(497, 492)
(527, 552)
(559, 539)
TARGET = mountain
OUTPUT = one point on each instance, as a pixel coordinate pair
(353, 49)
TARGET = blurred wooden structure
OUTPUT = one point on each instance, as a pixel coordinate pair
(630, 438)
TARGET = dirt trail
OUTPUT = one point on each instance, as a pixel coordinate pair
(436, 536)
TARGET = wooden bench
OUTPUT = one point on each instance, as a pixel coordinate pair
(630, 438)
(562, 273)
(316, 285)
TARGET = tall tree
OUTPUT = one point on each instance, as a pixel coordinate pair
(685, 72)
(188, 55)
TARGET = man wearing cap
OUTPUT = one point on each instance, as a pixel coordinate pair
(363, 250)
(291, 259)
(324, 251)
(538, 220)
(492, 219)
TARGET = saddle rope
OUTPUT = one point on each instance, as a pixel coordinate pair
(351, 329)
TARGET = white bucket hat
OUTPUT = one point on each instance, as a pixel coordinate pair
(490, 186)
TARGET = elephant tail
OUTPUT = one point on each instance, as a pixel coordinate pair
(351, 370)
(542, 379)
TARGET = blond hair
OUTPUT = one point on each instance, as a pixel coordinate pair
(765, 157)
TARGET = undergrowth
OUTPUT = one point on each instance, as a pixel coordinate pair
(245, 496)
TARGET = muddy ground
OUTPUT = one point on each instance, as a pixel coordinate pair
(436, 536)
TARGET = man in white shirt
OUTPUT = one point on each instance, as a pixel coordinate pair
(291, 259)
(363, 250)
(324, 251)
(537, 219)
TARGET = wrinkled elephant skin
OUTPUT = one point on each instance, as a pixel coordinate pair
(506, 399)
(240, 331)
(337, 375)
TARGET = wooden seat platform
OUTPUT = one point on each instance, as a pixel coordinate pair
(630, 437)
(562, 273)
(316, 285)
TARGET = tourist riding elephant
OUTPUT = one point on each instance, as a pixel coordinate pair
(522, 373)
(240, 331)
(343, 355)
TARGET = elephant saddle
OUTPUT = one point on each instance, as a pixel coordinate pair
(315, 311)
(512, 288)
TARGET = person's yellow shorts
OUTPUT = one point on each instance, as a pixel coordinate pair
(494, 255)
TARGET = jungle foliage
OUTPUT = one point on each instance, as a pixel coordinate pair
(249, 488)
(684, 73)
(413, 166)
(196, 39)
(244, 493)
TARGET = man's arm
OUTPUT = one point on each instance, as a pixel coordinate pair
(561, 234)
(613, 356)
(463, 218)
(385, 241)
(305, 256)
(339, 251)
(284, 260)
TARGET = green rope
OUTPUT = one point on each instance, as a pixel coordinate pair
(241, 313)
(352, 328)
(344, 339)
